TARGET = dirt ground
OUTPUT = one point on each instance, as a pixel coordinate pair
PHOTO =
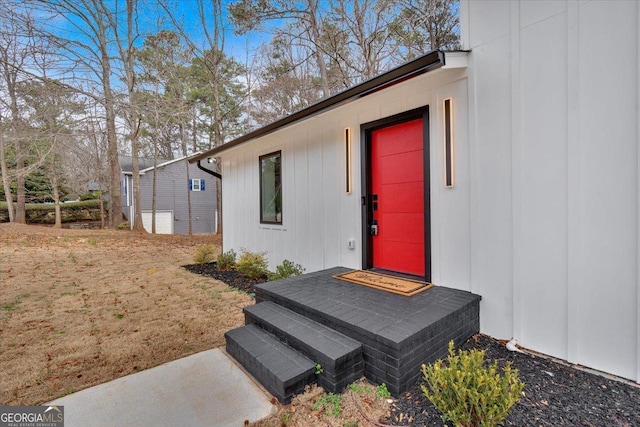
(82, 307)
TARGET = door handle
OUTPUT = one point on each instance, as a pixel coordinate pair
(374, 228)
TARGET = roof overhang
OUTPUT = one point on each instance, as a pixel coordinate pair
(421, 65)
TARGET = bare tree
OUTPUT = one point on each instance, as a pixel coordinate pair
(425, 25)
(125, 45)
(163, 74)
(283, 86)
(363, 46)
(51, 111)
(91, 54)
(303, 25)
(214, 72)
(15, 51)
(5, 174)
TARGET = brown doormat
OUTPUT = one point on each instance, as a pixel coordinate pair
(384, 282)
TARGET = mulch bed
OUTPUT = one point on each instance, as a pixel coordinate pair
(231, 278)
(554, 395)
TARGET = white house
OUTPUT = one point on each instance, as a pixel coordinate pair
(510, 170)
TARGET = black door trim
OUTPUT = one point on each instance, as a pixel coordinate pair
(366, 130)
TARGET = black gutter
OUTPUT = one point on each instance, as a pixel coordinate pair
(209, 171)
(423, 64)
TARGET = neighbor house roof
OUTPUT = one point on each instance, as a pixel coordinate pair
(423, 64)
(126, 163)
(168, 162)
(146, 164)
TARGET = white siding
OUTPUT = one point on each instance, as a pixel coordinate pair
(554, 122)
(319, 217)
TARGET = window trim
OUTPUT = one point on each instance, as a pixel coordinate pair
(277, 153)
(193, 184)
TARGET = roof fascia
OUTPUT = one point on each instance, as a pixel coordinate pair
(423, 64)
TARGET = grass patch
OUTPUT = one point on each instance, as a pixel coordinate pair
(10, 306)
(330, 403)
(15, 303)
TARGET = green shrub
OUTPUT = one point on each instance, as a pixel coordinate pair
(226, 260)
(286, 269)
(252, 264)
(204, 254)
(468, 392)
(90, 195)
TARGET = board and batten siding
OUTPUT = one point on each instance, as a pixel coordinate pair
(319, 217)
(554, 125)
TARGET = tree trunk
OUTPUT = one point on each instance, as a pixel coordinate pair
(127, 55)
(101, 211)
(315, 33)
(154, 184)
(5, 181)
(115, 190)
(21, 217)
(183, 139)
(115, 195)
(56, 194)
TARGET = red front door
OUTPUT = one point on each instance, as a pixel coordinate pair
(397, 196)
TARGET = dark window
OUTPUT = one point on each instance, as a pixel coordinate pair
(271, 188)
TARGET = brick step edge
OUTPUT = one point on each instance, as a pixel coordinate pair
(280, 369)
(327, 346)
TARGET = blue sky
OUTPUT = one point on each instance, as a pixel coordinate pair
(186, 11)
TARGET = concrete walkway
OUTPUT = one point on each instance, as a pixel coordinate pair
(205, 389)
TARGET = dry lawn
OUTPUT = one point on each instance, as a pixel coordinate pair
(82, 307)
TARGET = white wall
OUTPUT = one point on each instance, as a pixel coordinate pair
(554, 98)
(319, 217)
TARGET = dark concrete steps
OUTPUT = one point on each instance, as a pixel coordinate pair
(398, 333)
(339, 356)
(350, 330)
(280, 369)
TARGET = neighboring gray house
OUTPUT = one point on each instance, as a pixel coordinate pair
(126, 177)
(172, 190)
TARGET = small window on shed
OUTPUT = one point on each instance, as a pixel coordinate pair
(196, 184)
(271, 188)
